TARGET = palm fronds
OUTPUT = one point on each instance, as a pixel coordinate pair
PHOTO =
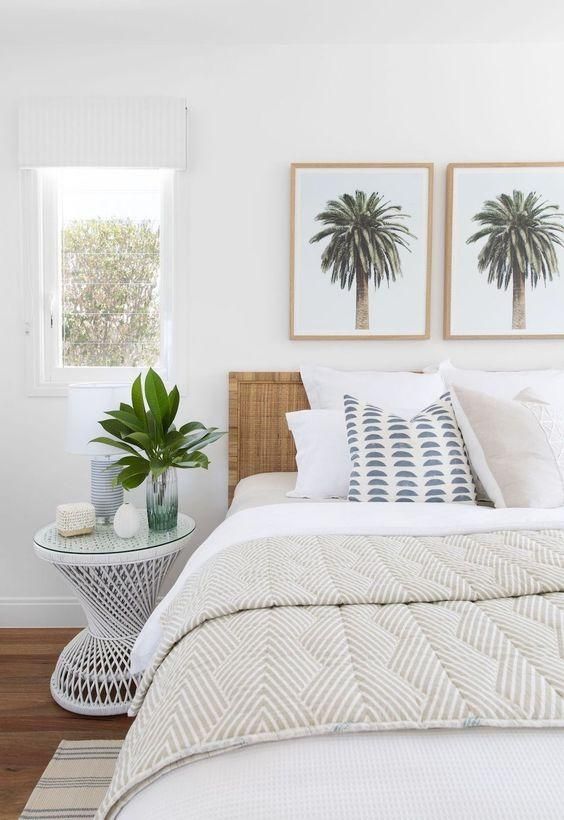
(365, 233)
(522, 233)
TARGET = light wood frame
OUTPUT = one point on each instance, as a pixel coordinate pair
(295, 166)
(259, 439)
(447, 334)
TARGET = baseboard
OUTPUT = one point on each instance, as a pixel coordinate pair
(37, 612)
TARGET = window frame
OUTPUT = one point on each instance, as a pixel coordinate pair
(40, 230)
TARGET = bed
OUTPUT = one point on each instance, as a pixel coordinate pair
(490, 746)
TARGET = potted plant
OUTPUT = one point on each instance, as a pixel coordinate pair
(145, 430)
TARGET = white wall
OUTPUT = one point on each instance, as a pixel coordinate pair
(252, 112)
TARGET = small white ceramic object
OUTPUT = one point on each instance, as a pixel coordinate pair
(126, 521)
(75, 519)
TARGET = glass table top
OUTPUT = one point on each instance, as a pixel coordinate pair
(104, 539)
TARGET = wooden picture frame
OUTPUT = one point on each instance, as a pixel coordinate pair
(456, 287)
(417, 180)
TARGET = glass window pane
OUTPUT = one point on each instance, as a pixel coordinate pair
(110, 260)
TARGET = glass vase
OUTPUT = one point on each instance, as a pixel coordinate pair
(162, 501)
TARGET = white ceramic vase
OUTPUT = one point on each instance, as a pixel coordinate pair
(126, 521)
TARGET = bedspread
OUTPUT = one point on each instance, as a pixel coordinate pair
(301, 635)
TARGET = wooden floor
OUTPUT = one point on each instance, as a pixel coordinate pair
(31, 724)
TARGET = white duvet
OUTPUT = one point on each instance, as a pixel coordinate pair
(479, 774)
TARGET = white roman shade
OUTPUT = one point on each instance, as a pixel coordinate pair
(110, 132)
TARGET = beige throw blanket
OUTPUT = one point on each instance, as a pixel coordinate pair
(286, 637)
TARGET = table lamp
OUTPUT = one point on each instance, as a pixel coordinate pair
(86, 405)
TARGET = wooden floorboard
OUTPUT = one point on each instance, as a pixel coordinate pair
(31, 724)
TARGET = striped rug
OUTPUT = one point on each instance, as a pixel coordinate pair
(75, 781)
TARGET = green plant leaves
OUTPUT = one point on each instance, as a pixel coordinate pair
(191, 461)
(129, 420)
(199, 442)
(113, 427)
(134, 475)
(145, 430)
(174, 438)
(137, 401)
(129, 461)
(173, 402)
(120, 445)
(190, 427)
(157, 399)
(142, 440)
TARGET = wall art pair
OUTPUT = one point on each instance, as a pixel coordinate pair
(361, 251)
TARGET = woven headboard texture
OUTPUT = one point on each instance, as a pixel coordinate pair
(259, 439)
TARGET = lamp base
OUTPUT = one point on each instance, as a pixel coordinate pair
(106, 496)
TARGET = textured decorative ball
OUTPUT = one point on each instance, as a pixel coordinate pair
(75, 519)
(126, 521)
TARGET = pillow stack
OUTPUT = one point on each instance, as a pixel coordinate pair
(367, 437)
(323, 458)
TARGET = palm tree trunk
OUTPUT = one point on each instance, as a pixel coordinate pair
(361, 300)
(519, 318)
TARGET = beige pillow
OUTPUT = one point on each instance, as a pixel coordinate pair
(516, 446)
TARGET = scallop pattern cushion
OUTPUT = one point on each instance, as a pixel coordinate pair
(395, 459)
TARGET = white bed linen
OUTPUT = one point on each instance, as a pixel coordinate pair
(478, 774)
(264, 488)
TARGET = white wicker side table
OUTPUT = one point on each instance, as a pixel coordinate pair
(117, 582)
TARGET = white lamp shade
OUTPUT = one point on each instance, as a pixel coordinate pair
(87, 405)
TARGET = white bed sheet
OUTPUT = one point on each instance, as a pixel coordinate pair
(474, 774)
(262, 489)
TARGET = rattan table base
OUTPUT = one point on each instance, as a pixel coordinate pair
(117, 582)
(92, 674)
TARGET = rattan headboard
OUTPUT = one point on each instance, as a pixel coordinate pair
(259, 439)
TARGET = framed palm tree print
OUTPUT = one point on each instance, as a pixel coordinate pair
(360, 250)
(505, 251)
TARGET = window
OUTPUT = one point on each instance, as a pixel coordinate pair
(107, 299)
(102, 272)
(99, 253)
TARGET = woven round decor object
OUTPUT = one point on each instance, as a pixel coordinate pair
(75, 519)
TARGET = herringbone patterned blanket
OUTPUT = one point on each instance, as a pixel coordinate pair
(301, 635)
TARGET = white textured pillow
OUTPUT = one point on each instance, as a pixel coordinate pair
(395, 459)
(516, 447)
(505, 384)
(402, 392)
(322, 456)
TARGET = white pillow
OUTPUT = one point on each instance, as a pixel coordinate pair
(400, 392)
(505, 384)
(322, 457)
(516, 446)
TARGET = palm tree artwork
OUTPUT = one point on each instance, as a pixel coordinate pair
(522, 233)
(366, 234)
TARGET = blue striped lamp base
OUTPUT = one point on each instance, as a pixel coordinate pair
(105, 496)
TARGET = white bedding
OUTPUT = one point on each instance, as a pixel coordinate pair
(485, 774)
(407, 775)
(262, 489)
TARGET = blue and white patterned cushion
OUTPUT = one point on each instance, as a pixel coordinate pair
(397, 459)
